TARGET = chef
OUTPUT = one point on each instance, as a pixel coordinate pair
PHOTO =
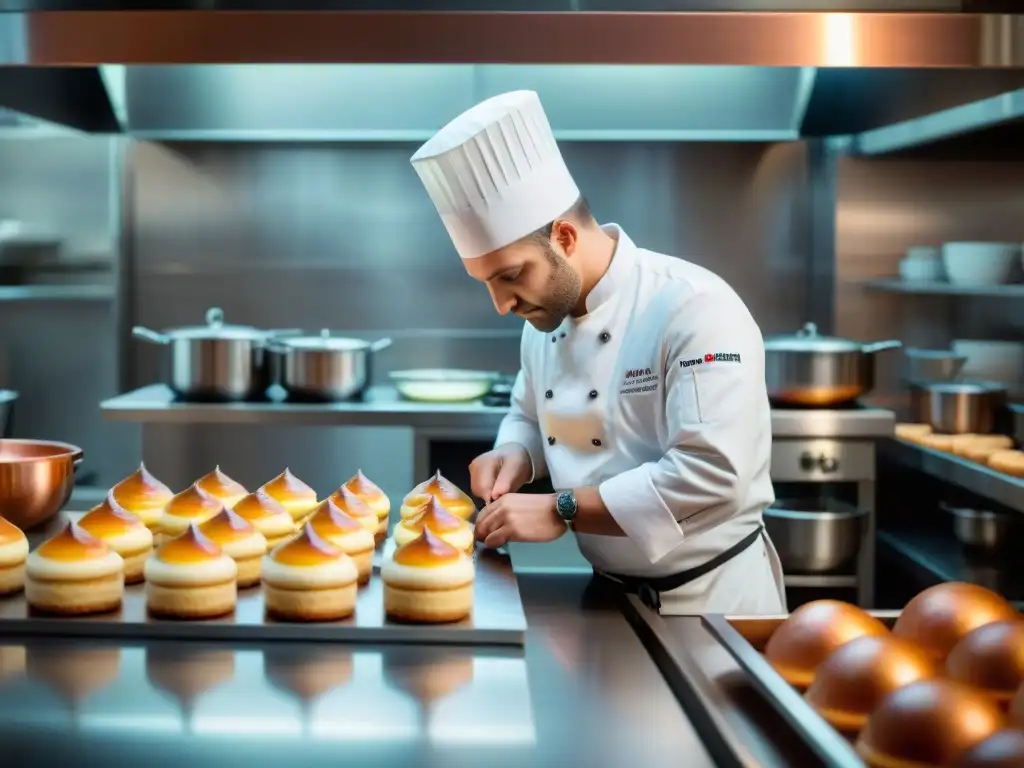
(641, 391)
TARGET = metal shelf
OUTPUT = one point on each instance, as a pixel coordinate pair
(56, 293)
(894, 285)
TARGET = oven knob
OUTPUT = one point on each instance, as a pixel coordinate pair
(828, 463)
(807, 462)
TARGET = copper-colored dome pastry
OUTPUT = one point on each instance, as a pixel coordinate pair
(345, 533)
(372, 496)
(144, 496)
(13, 553)
(432, 515)
(268, 516)
(222, 487)
(428, 580)
(293, 494)
(990, 658)
(1004, 749)
(123, 532)
(855, 679)
(74, 573)
(193, 505)
(811, 633)
(240, 541)
(452, 498)
(940, 616)
(927, 723)
(355, 508)
(190, 577)
(1017, 709)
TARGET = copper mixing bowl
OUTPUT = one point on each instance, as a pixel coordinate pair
(36, 479)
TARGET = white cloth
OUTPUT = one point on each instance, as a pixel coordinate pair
(495, 173)
(657, 396)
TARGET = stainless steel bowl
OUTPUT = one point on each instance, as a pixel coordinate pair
(958, 407)
(814, 535)
(981, 528)
(36, 479)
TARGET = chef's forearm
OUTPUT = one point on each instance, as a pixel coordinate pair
(592, 516)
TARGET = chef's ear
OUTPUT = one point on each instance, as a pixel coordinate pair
(566, 236)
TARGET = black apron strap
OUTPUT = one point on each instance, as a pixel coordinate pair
(649, 589)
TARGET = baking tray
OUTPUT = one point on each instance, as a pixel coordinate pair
(497, 619)
(745, 637)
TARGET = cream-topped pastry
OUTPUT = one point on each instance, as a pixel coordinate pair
(13, 553)
(74, 573)
(222, 487)
(144, 496)
(123, 532)
(293, 494)
(450, 495)
(193, 505)
(372, 496)
(440, 521)
(267, 516)
(190, 577)
(308, 579)
(355, 508)
(240, 541)
(345, 533)
(428, 580)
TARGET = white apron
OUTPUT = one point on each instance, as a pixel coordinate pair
(679, 450)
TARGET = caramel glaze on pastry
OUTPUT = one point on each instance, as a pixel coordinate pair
(372, 496)
(355, 508)
(190, 577)
(308, 579)
(1004, 749)
(345, 533)
(428, 581)
(440, 521)
(927, 723)
(293, 494)
(222, 487)
(144, 496)
(123, 532)
(267, 516)
(812, 633)
(193, 505)
(74, 573)
(855, 679)
(13, 553)
(1008, 462)
(940, 616)
(450, 496)
(991, 659)
(239, 540)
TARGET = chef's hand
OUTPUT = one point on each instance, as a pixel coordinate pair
(519, 517)
(504, 470)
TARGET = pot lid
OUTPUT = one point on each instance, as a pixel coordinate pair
(807, 339)
(216, 328)
(324, 342)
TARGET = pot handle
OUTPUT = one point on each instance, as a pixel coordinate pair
(152, 336)
(379, 346)
(881, 346)
(77, 458)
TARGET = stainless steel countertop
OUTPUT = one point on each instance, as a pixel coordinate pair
(384, 407)
(583, 692)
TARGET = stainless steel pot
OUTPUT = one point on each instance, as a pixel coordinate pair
(7, 399)
(926, 365)
(958, 407)
(981, 528)
(325, 367)
(806, 369)
(216, 361)
(814, 536)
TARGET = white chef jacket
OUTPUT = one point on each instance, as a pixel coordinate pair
(657, 396)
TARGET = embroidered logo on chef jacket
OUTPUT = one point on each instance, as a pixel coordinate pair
(711, 357)
(637, 380)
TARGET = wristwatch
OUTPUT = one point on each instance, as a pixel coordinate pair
(565, 505)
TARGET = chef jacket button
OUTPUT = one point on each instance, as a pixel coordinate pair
(593, 394)
(554, 339)
(596, 442)
(562, 334)
(551, 441)
(549, 394)
(605, 337)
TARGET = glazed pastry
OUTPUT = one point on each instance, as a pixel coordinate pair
(1008, 462)
(267, 516)
(144, 496)
(927, 723)
(373, 497)
(293, 494)
(239, 540)
(222, 487)
(432, 515)
(937, 442)
(428, 581)
(74, 573)
(990, 659)
(193, 505)
(355, 508)
(1004, 749)
(345, 533)
(912, 432)
(190, 577)
(450, 496)
(123, 532)
(307, 579)
(13, 553)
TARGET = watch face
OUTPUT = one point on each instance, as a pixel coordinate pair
(566, 505)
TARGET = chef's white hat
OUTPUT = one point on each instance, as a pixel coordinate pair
(495, 173)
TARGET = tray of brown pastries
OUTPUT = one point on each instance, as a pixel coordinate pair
(216, 561)
(939, 684)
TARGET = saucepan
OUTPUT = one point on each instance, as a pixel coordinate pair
(810, 370)
(325, 367)
(959, 407)
(36, 479)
